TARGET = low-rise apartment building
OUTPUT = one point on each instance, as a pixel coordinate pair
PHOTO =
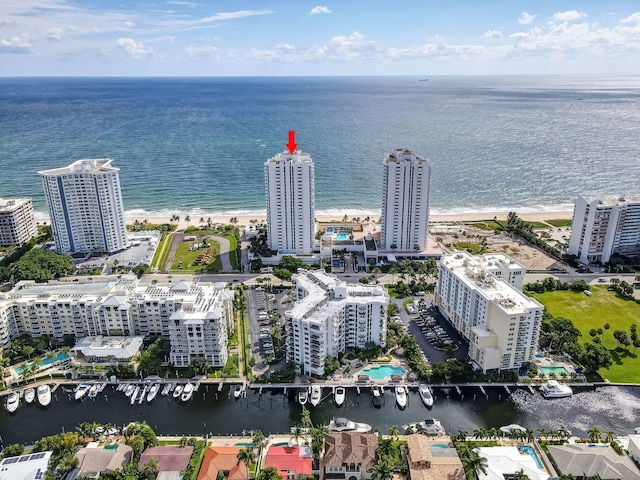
(481, 297)
(330, 315)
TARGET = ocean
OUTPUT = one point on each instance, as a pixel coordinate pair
(198, 145)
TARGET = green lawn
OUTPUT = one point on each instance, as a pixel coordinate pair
(593, 312)
(537, 224)
(559, 222)
(484, 225)
(187, 257)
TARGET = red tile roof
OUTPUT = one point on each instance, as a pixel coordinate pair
(225, 459)
(288, 460)
(170, 458)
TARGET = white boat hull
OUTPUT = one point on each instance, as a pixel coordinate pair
(177, 391)
(401, 397)
(339, 396)
(44, 395)
(13, 402)
(316, 396)
(29, 395)
(187, 393)
(425, 395)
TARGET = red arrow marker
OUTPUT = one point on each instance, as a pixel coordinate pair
(292, 141)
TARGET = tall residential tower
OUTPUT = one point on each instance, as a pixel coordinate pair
(17, 224)
(290, 195)
(405, 202)
(85, 207)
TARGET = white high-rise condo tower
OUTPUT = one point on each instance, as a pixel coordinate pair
(17, 224)
(290, 195)
(604, 226)
(405, 202)
(85, 207)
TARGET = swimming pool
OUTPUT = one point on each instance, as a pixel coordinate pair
(46, 361)
(383, 371)
(439, 445)
(554, 370)
(529, 450)
(341, 236)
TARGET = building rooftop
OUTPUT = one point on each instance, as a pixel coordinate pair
(170, 458)
(93, 460)
(119, 348)
(403, 154)
(25, 467)
(589, 460)
(298, 156)
(222, 459)
(10, 204)
(87, 165)
(350, 448)
(504, 462)
(614, 200)
(288, 460)
(432, 459)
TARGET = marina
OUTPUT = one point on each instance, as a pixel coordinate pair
(214, 410)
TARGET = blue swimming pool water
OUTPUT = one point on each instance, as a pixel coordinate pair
(341, 236)
(439, 445)
(556, 370)
(46, 361)
(383, 371)
(529, 450)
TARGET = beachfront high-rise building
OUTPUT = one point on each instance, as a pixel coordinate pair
(405, 202)
(194, 317)
(482, 298)
(604, 226)
(289, 189)
(17, 224)
(330, 315)
(85, 207)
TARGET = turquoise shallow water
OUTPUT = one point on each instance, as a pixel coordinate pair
(383, 371)
(198, 145)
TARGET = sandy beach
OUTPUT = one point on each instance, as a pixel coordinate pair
(461, 217)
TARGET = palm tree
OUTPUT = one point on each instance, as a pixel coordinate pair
(149, 470)
(246, 456)
(567, 476)
(527, 436)
(297, 433)
(494, 432)
(563, 432)
(409, 430)
(394, 432)
(609, 436)
(595, 435)
(480, 433)
(520, 475)
(541, 433)
(381, 470)
(385, 448)
(317, 441)
(474, 464)
(461, 436)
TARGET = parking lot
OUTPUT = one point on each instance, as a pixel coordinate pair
(264, 318)
(433, 332)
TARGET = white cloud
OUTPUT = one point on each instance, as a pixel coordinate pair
(526, 18)
(319, 9)
(55, 34)
(492, 34)
(15, 45)
(633, 18)
(135, 50)
(185, 4)
(202, 51)
(568, 16)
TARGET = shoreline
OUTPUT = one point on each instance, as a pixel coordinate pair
(245, 219)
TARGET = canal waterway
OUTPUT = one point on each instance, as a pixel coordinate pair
(218, 413)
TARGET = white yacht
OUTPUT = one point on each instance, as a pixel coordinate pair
(29, 395)
(429, 426)
(153, 391)
(177, 391)
(44, 395)
(129, 390)
(13, 402)
(303, 395)
(81, 390)
(426, 395)
(93, 391)
(187, 392)
(166, 389)
(401, 396)
(316, 395)
(237, 391)
(339, 396)
(555, 389)
(135, 393)
(340, 424)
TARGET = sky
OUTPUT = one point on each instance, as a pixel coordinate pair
(335, 37)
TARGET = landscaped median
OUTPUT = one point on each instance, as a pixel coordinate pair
(604, 311)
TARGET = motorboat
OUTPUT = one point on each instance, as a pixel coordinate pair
(426, 395)
(429, 426)
(237, 392)
(153, 391)
(93, 391)
(339, 396)
(135, 393)
(187, 392)
(316, 395)
(401, 396)
(165, 390)
(44, 395)
(303, 395)
(29, 395)
(555, 389)
(177, 391)
(340, 424)
(143, 395)
(129, 390)
(376, 397)
(13, 402)
(81, 390)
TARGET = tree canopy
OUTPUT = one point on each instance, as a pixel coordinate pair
(41, 265)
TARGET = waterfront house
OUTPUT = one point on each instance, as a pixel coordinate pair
(290, 461)
(432, 459)
(585, 461)
(25, 467)
(225, 460)
(348, 456)
(504, 461)
(172, 459)
(94, 460)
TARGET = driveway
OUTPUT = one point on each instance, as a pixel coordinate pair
(224, 252)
